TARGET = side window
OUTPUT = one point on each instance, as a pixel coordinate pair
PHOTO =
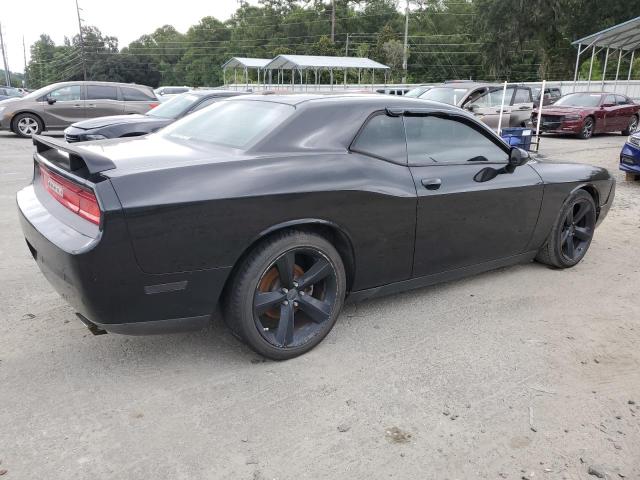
(102, 92)
(437, 140)
(493, 98)
(383, 136)
(69, 93)
(136, 95)
(621, 100)
(205, 103)
(609, 100)
(523, 95)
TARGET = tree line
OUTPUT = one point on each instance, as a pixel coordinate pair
(515, 40)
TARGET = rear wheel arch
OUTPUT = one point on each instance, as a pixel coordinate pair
(328, 230)
(593, 191)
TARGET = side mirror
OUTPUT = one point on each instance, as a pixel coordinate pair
(517, 158)
(51, 100)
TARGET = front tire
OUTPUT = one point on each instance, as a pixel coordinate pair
(27, 124)
(571, 235)
(287, 294)
(586, 131)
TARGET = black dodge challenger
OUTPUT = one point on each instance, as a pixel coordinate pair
(278, 208)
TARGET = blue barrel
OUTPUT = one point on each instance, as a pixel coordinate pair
(517, 137)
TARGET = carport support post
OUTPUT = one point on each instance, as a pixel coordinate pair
(618, 70)
(235, 78)
(331, 78)
(224, 76)
(604, 70)
(575, 75)
(540, 107)
(504, 94)
(626, 90)
(593, 54)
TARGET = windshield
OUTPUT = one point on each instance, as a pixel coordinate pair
(175, 107)
(12, 92)
(234, 124)
(41, 91)
(416, 92)
(579, 100)
(449, 95)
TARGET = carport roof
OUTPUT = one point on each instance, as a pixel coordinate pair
(243, 62)
(304, 62)
(624, 36)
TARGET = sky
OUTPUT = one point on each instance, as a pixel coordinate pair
(125, 19)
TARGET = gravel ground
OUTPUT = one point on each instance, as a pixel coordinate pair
(525, 372)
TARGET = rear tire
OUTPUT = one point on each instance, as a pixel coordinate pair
(586, 132)
(572, 232)
(286, 295)
(632, 127)
(27, 124)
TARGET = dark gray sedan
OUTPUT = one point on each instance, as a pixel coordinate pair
(118, 126)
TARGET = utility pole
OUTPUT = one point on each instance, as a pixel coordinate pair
(84, 61)
(24, 55)
(346, 48)
(7, 76)
(333, 21)
(406, 35)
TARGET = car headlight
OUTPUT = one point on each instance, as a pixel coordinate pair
(2, 109)
(91, 136)
(634, 140)
(572, 117)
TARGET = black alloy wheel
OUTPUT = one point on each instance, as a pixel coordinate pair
(572, 233)
(295, 297)
(286, 294)
(577, 230)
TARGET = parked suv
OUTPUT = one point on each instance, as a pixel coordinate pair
(484, 101)
(59, 105)
(551, 94)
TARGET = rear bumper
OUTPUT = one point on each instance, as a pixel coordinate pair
(100, 279)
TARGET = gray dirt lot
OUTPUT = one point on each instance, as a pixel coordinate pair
(438, 383)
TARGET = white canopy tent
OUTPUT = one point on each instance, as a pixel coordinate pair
(318, 64)
(245, 64)
(624, 37)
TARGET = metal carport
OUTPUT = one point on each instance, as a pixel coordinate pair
(317, 64)
(624, 37)
(245, 64)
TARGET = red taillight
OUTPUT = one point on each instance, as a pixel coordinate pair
(153, 105)
(78, 199)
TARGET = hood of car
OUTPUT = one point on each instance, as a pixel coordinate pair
(8, 100)
(101, 122)
(562, 110)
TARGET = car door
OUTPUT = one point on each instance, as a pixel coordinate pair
(64, 106)
(461, 219)
(102, 100)
(611, 113)
(486, 107)
(521, 108)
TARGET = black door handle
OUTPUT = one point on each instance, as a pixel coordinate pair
(431, 183)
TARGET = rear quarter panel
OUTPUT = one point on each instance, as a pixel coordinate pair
(204, 216)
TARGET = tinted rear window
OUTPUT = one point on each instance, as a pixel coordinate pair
(101, 92)
(234, 124)
(136, 95)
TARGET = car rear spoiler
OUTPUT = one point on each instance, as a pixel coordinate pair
(70, 157)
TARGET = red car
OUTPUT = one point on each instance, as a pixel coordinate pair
(586, 113)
